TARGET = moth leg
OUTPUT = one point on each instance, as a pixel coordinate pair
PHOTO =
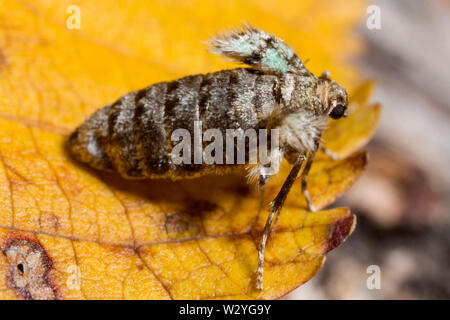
(304, 177)
(275, 209)
(274, 225)
(333, 155)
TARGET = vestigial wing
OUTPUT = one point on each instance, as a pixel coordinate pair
(258, 49)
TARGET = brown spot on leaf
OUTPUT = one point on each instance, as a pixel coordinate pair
(188, 221)
(340, 231)
(175, 224)
(122, 251)
(2, 59)
(29, 266)
(181, 224)
(140, 266)
(49, 221)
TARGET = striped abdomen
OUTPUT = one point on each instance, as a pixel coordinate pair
(133, 135)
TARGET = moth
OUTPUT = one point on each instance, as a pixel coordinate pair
(275, 91)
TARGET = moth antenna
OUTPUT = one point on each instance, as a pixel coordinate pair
(258, 49)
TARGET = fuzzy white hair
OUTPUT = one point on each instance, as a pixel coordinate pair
(300, 131)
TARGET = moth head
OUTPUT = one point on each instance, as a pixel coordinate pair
(337, 98)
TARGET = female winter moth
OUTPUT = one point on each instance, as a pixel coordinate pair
(134, 135)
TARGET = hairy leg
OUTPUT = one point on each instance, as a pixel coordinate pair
(275, 209)
(305, 182)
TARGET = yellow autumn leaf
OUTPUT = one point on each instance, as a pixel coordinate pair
(70, 232)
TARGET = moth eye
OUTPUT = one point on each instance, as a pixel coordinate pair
(337, 112)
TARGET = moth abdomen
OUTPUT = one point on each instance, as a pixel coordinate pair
(149, 127)
(134, 135)
(121, 144)
(87, 142)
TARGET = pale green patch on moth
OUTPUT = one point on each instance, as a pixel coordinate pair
(258, 49)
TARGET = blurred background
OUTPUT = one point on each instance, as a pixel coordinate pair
(402, 200)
